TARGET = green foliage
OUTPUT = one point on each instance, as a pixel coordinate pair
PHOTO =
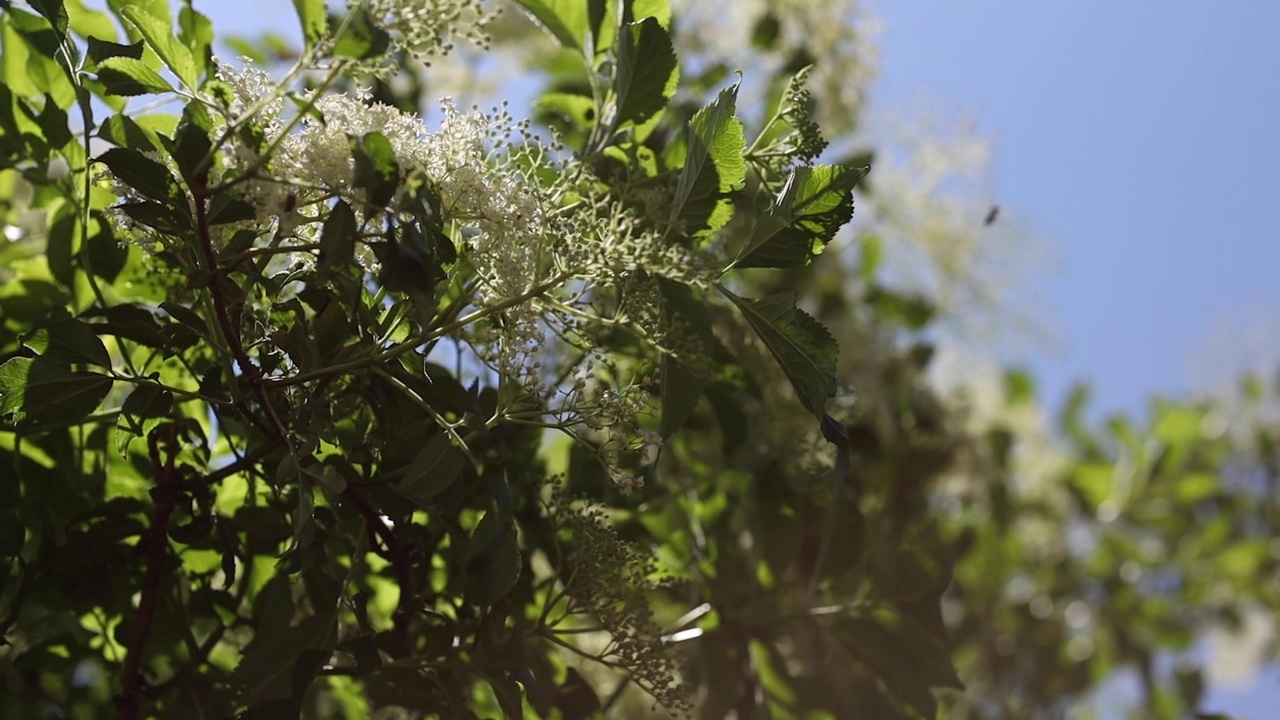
(310, 410)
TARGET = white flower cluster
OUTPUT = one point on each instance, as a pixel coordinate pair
(428, 28)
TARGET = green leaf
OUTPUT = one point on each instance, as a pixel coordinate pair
(802, 346)
(148, 177)
(159, 37)
(814, 204)
(376, 170)
(54, 12)
(507, 691)
(434, 469)
(314, 18)
(337, 239)
(361, 38)
(714, 166)
(69, 342)
(647, 72)
(126, 77)
(122, 131)
(106, 256)
(568, 21)
(195, 31)
(58, 395)
(148, 401)
(192, 149)
(100, 50)
(681, 388)
(492, 560)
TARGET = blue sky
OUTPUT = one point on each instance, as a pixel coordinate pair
(1141, 140)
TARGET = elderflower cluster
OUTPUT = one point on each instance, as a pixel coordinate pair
(612, 581)
(428, 28)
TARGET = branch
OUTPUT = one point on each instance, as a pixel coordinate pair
(250, 372)
(164, 494)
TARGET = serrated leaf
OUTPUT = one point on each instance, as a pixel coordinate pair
(54, 12)
(433, 470)
(376, 169)
(314, 19)
(814, 204)
(647, 72)
(337, 238)
(148, 177)
(69, 342)
(126, 77)
(57, 395)
(714, 166)
(159, 37)
(804, 349)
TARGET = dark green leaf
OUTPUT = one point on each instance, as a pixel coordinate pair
(507, 691)
(148, 177)
(148, 401)
(647, 72)
(192, 149)
(376, 170)
(60, 247)
(106, 256)
(122, 131)
(492, 560)
(812, 206)
(314, 18)
(158, 216)
(337, 239)
(100, 50)
(69, 342)
(433, 470)
(226, 208)
(54, 12)
(802, 346)
(690, 324)
(713, 167)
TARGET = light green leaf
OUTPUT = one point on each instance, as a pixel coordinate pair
(434, 469)
(361, 37)
(814, 204)
(802, 346)
(568, 21)
(59, 395)
(126, 77)
(314, 18)
(713, 167)
(158, 35)
(647, 72)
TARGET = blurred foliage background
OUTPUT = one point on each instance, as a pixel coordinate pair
(969, 557)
